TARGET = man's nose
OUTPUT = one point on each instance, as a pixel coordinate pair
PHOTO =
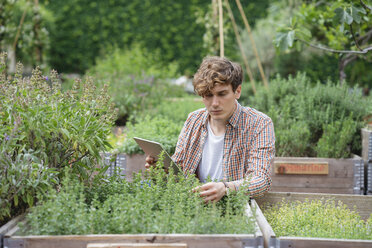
(215, 101)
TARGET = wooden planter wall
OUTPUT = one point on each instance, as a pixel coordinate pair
(289, 174)
(318, 175)
(367, 156)
(363, 206)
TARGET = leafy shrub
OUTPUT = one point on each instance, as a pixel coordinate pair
(162, 203)
(175, 109)
(136, 79)
(306, 116)
(160, 129)
(41, 128)
(317, 218)
(22, 177)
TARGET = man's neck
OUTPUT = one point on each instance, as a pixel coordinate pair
(218, 126)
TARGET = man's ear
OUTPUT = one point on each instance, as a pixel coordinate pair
(238, 92)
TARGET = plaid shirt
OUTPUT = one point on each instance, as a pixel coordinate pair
(249, 147)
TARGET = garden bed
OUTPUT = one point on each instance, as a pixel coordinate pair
(12, 239)
(318, 175)
(363, 206)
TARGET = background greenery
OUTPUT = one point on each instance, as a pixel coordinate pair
(312, 119)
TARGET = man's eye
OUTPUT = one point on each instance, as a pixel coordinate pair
(208, 95)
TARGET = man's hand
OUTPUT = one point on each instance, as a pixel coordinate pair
(150, 161)
(211, 191)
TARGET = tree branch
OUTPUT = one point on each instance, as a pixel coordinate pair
(365, 6)
(364, 51)
(355, 41)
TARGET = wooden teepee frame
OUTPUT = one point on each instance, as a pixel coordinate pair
(248, 28)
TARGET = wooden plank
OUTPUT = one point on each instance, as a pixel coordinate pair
(312, 182)
(336, 167)
(137, 245)
(302, 242)
(313, 190)
(81, 241)
(11, 224)
(362, 203)
(267, 231)
(303, 168)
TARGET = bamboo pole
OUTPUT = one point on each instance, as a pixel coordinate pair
(249, 72)
(222, 53)
(253, 43)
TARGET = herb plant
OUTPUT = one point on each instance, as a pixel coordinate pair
(317, 218)
(43, 129)
(154, 202)
(313, 119)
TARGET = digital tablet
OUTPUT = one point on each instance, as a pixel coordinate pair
(154, 149)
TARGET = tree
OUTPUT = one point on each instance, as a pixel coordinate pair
(341, 27)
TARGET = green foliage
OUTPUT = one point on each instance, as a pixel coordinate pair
(136, 78)
(162, 123)
(41, 128)
(160, 129)
(160, 203)
(318, 219)
(175, 109)
(22, 177)
(32, 23)
(306, 116)
(84, 28)
(326, 21)
(335, 139)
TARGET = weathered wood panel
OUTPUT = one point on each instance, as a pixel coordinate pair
(345, 176)
(138, 245)
(81, 241)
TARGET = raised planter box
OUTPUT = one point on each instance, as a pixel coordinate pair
(127, 164)
(367, 144)
(289, 174)
(318, 175)
(369, 178)
(363, 206)
(11, 239)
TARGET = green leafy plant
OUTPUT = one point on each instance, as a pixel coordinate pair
(308, 117)
(43, 130)
(340, 27)
(317, 218)
(155, 202)
(136, 78)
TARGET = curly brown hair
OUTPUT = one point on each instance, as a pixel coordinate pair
(216, 70)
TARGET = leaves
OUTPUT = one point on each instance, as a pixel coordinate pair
(318, 219)
(152, 203)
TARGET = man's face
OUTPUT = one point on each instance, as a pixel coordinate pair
(220, 102)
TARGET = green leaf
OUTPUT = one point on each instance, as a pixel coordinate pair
(284, 40)
(15, 200)
(66, 133)
(342, 16)
(355, 13)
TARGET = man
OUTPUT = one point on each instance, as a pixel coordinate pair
(225, 141)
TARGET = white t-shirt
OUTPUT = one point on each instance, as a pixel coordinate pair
(211, 162)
